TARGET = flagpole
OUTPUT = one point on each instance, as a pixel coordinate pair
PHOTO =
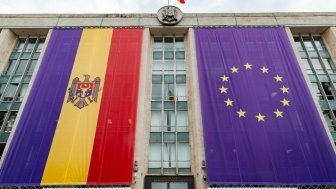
(168, 3)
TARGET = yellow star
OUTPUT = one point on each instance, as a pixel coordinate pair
(225, 78)
(234, 69)
(229, 102)
(285, 102)
(278, 78)
(241, 113)
(223, 89)
(284, 89)
(264, 69)
(248, 66)
(278, 113)
(260, 117)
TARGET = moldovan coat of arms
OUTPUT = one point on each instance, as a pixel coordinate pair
(83, 93)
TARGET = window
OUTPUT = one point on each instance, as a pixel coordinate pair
(169, 147)
(321, 71)
(15, 80)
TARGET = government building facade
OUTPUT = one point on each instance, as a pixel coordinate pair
(168, 101)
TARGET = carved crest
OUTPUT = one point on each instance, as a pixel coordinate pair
(169, 15)
(83, 93)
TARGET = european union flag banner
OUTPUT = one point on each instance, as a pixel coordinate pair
(78, 126)
(261, 125)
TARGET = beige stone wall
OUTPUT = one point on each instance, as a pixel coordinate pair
(148, 20)
(329, 38)
(7, 41)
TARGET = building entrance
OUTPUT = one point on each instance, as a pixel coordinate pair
(169, 182)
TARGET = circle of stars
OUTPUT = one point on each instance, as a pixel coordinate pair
(260, 117)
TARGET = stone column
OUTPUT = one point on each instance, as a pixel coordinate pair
(329, 38)
(143, 114)
(7, 41)
(195, 116)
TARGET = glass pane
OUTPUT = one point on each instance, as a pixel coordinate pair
(179, 43)
(169, 43)
(16, 106)
(318, 43)
(26, 79)
(180, 55)
(158, 43)
(21, 67)
(30, 45)
(169, 120)
(25, 55)
(5, 105)
(183, 137)
(328, 90)
(324, 54)
(313, 54)
(2, 88)
(156, 105)
(308, 44)
(306, 65)
(154, 152)
(317, 65)
(182, 118)
(20, 44)
(156, 79)
(156, 121)
(169, 92)
(10, 92)
(169, 55)
(155, 137)
(169, 137)
(40, 45)
(328, 118)
(329, 65)
(156, 91)
(182, 105)
(16, 79)
(180, 65)
(298, 44)
(157, 65)
(180, 79)
(183, 152)
(157, 55)
(169, 78)
(36, 55)
(10, 67)
(22, 92)
(169, 65)
(14, 55)
(317, 91)
(169, 105)
(2, 117)
(4, 79)
(10, 122)
(169, 151)
(31, 67)
(181, 92)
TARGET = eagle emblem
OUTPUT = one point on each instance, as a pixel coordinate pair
(83, 93)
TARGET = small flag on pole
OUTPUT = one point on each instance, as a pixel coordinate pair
(181, 1)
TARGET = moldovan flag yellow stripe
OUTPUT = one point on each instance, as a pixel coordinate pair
(70, 153)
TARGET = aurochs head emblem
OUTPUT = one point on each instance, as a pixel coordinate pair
(83, 93)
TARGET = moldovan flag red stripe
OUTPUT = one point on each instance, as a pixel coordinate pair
(181, 1)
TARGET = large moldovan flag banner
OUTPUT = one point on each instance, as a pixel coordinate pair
(78, 126)
(260, 124)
